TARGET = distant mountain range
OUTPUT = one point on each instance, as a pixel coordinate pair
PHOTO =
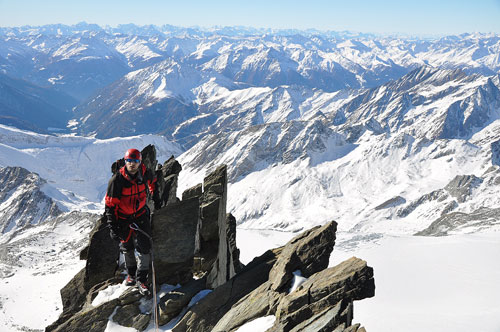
(375, 131)
(115, 81)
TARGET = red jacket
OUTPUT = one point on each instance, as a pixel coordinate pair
(126, 196)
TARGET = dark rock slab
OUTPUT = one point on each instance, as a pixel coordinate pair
(208, 311)
(336, 317)
(95, 319)
(172, 303)
(195, 191)
(102, 255)
(174, 237)
(395, 201)
(263, 301)
(309, 252)
(350, 280)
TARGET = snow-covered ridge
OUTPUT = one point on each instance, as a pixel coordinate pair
(403, 142)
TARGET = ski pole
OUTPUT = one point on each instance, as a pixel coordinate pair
(155, 304)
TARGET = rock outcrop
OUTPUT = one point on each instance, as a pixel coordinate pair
(195, 236)
(175, 229)
(213, 215)
(482, 218)
(462, 185)
(262, 288)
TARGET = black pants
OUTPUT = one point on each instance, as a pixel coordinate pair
(136, 248)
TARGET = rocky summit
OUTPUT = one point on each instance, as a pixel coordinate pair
(195, 249)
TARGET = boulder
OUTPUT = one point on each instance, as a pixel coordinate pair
(195, 191)
(334, 318)
(172, 303)
(350, 280)
(129, 312)
(203, 316)
(261, 302)
(95, 319)
(308, 252)
(126, 311)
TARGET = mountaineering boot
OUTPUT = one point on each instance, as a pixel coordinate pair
(143, 289)
(130, 280)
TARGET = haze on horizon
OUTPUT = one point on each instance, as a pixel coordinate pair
(425, 17)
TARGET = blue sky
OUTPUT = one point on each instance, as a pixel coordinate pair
(423, 17)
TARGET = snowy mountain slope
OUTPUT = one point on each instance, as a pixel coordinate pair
(433, 103)
(349, 188)
(83, 59)
(35, 263)
(403, 142)
(79, 167)
(22, 200)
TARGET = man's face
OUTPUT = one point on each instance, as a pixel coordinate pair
(132, 165)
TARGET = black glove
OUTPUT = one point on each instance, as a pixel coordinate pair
(113, 234)
(157, 204)
(114, 230)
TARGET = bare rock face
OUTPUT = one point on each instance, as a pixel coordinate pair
(462, 185)
(481, 218)
(308, 252)
(325, 290)
(335, 287)
(261, 290)
(206, 313)
(213, 215)
(175, 229)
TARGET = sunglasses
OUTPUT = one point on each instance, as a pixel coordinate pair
(137, 161)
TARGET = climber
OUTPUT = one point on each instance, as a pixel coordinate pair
(125, 204)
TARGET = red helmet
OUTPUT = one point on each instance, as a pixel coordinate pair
(133, 154)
